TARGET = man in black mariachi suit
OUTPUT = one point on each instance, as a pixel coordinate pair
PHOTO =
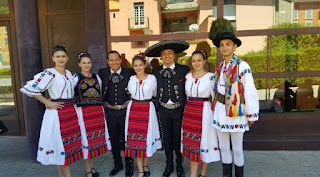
(171, 99)
(115, 96)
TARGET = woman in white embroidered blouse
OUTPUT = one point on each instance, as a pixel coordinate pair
(199, 138)
(141, 127)
(58, 145)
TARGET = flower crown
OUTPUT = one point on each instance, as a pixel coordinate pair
(81, 54)
(141, 55)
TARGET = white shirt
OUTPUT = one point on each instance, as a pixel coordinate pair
(118, 72)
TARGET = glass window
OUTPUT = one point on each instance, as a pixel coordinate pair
(8, 115)
(299, 94)
(300, 52)
(295, 14)
(139, 20)
(309, 13)
(229, 11)
(4, 8)
(6, 41)
(309, 23)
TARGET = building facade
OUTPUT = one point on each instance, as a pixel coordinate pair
(130, 26)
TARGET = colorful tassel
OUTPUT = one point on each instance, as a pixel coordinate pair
(234, 69)
(235, 78)
(234, 102)
(241, 99)
(229, 91)
(230, 112)
(235, 111)
(244, 101)
(213, 105)
(240, 88)
(240, 110)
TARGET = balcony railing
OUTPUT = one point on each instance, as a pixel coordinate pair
(182, 27)
(138, 23)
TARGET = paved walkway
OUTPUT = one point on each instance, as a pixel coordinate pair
(14, 162)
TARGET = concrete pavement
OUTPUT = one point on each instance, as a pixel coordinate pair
(14, 162)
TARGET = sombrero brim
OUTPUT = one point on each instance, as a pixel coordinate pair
(176, 45)
(234, 39)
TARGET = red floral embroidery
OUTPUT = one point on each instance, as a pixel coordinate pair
(215, 148)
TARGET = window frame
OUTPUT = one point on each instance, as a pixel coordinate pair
(295, 14)
(138, 15)
(306, 11)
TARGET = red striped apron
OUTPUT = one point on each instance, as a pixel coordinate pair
(192, 128)
(70, 132)
(136, 144)
(93, 118)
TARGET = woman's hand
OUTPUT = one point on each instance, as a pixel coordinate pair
(48, 103)
(250, 123)
(54, 105)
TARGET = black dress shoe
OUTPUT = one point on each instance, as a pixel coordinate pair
(167, 171)
(227, 170)
(238, 171)
(115, 171)
(129, 172)
(180, 171)
(95, 173)
(129, 169)
(129, 166)
(146, 173)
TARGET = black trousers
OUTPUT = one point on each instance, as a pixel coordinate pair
(116, 124)
(171, 122)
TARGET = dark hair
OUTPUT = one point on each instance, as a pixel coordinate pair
(154, 62)
(201, 52)
(139, 57)
(83, 54)
(59, 48)
(113, 51)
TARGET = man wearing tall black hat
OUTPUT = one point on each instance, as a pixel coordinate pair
(236, 101)
(170, 100)
(114, 86)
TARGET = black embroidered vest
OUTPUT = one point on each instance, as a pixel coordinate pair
(87, 90)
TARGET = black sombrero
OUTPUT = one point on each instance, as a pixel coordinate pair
(227, 35)
(176, 45)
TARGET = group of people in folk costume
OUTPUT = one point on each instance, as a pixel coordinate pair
(200, 113)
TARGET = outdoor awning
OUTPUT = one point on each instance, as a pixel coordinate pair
(178, 7)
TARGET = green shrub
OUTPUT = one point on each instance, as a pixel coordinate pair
(6, 89)
(5, 72)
